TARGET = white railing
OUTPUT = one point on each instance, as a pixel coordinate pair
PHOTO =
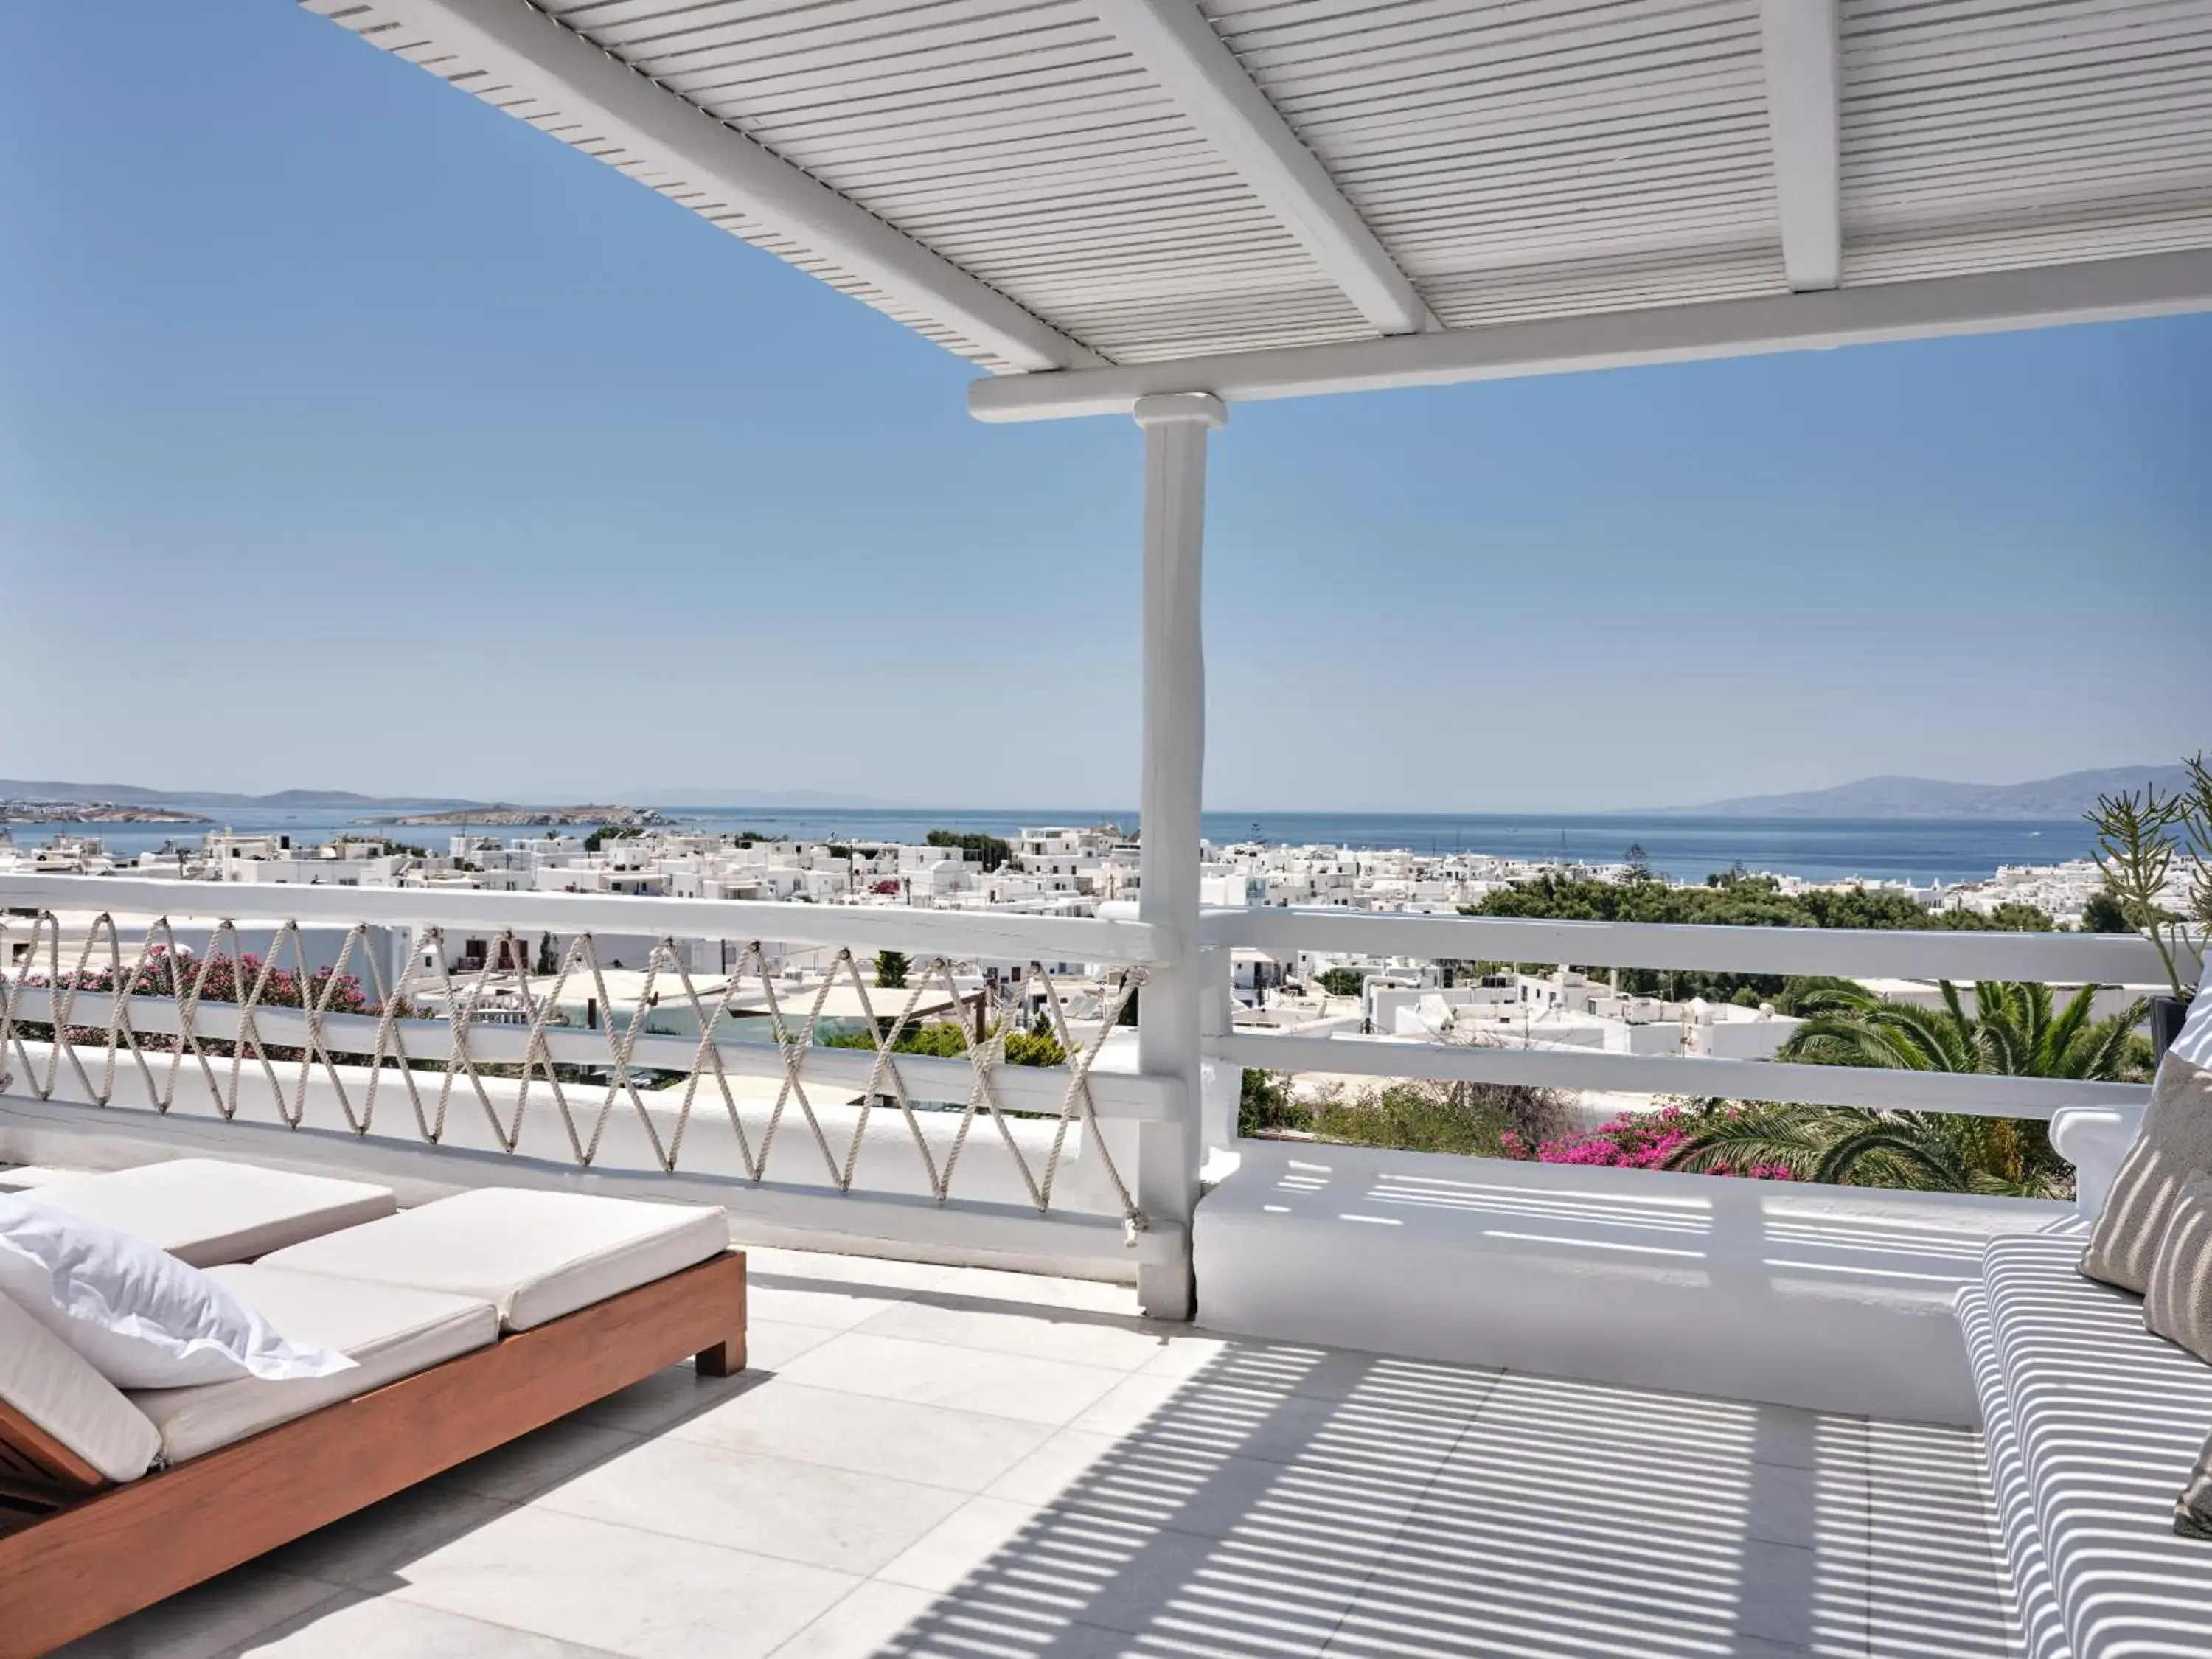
(744, 1105)
(957, 1153)
(2052, 958)
(961, 933)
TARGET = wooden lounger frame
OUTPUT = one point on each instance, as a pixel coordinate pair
(78, 1554)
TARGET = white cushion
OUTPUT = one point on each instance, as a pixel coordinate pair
(389, 1332)
(44, 1379)
(208, 1211)
(533, 1255)
(141, 1318)
(2174, 1143)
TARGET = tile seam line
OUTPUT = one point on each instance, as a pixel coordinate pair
(1050, 1431)
(1866, 1611)
(891, 1312)
(396, 1594)
(334, 1592)
(962, 1493)
(354, 1594)
(861, 1329)
(1383, 1555)
(509, 1506)
(770, 1377)
(708, 1543)
(779, 1457)
(953, 1300)
(799, 1634)
(503, 1504)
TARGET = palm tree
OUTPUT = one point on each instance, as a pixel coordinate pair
(1853, 1145)
(2013, 1032)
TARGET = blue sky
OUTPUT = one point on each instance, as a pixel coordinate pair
(353, 435)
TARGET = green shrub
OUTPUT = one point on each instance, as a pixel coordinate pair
(1476, 1120)
(947, 1039)
(1265, 1105)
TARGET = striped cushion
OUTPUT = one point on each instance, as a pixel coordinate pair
(2175, 1144)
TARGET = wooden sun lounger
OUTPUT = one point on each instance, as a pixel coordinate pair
(77, 1553)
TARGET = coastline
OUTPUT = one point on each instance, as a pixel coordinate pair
(17, 814)
(1919, 851)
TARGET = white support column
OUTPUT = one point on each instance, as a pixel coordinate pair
(1169, 1013)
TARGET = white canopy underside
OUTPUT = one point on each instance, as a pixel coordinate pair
(1078, 185)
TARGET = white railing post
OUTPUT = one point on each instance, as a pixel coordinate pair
(1169, 1019)
(1221, 1085)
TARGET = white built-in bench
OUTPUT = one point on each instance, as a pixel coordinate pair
(2092, 1426)
(1840, 1299)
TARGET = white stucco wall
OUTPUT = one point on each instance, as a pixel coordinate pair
(1835, 1299)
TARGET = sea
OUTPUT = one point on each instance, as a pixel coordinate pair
(1684, 847)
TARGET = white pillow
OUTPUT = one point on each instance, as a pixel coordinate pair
(139, 1315)
(2195, 1042)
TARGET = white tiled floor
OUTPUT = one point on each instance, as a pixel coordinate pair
(931, 1461)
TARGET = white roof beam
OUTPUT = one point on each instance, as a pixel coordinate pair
(1988, 302)
(1804, 90)
(1172, 39)
(512, 42)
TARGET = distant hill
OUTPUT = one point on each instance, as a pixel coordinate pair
(2066, 797)
(312, 798)
(130, 794)
(781, 798)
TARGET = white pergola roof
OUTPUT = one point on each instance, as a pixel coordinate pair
(1099, 199)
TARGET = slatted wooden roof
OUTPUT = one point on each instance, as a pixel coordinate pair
(1058, 185)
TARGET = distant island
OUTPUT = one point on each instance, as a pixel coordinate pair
(2068, 796)
(46, 810)
(499, 815)
(131, 794)
(29, 801)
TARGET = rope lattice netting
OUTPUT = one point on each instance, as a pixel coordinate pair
(155, 1007)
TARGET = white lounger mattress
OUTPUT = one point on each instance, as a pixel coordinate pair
(397, 1294)
(392, 1331)
(208, 1211)
(533, 1255)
